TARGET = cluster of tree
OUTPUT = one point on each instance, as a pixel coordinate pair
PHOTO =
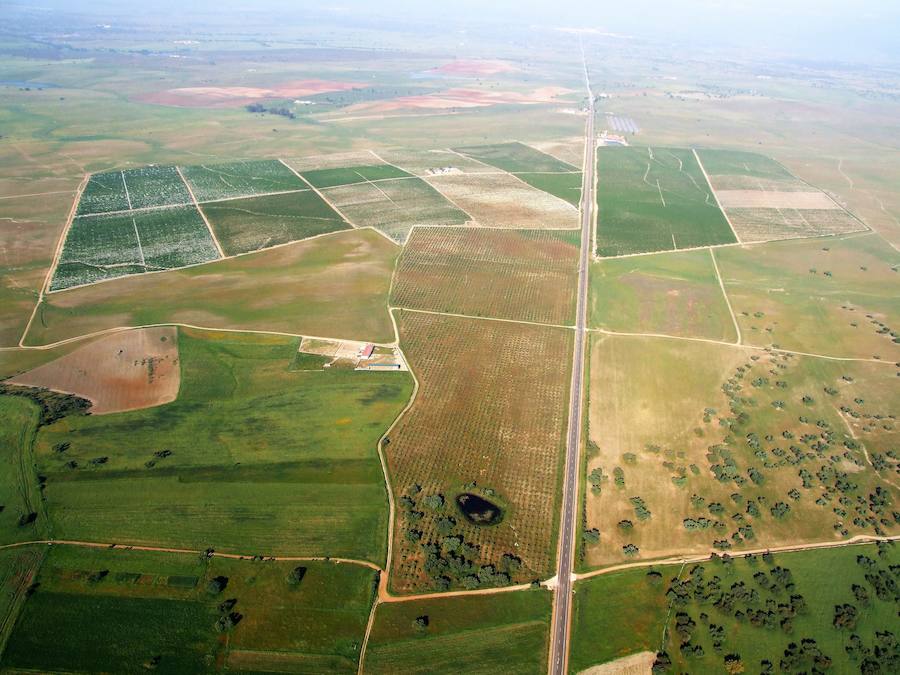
(450, 559)
(260, 108)
(882, 657)
(54, 405)
(640, 508)
(228, 617)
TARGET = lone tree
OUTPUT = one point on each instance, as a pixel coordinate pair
(421, 623)
(296, 575)
(216, 585)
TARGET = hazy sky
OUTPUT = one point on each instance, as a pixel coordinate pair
(858, 30)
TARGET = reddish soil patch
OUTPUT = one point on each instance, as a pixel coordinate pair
(229, 97)
(462, 98)
(124, 371)
(474, 67)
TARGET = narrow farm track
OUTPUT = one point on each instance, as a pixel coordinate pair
(45, 287)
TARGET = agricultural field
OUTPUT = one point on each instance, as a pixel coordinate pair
(104, 247)
(126, 370)
(502, 455)
(431, 162)
(764, 201)
(672, 293)
(23, 517)
(334, 286)
(394, 207)
(505, 632)
(351, 175)
(502, 200)
(753, 448)
(213, 182)
(230, 463)
(99, 610)
(145, 187)
(766, 613)
(528, 275)
(655, 199)
(29, 233)
(246, 225)
(830, 297)
(18, 568)
(532, 166)
(517, 158)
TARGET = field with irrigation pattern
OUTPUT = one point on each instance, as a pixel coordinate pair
(655, 199)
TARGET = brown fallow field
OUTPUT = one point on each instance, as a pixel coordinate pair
(126, 370)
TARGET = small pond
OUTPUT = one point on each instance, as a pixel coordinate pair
(479, 510)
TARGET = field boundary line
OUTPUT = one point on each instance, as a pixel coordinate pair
(190, 551)
(127, 194)
(318, 192)
(384, 585)
(251, 331)
(724, 343)
(858, 540)
(496, 170)
(212, 261)
(427, 182)
(715, 195)
(57, 254)
(137, 236)
(38, 194)
(483, 318)
(200, 211)
(737, 328)
(575, 169)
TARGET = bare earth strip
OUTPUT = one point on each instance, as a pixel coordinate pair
(499, 200)
(635, 664)
(123, 371)
(775, 199)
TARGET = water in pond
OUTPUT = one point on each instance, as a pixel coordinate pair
(479, 510)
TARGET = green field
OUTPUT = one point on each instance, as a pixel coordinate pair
(244, 225)
(260, 459)
(751, 607)
(516, 158)
(110, 246)
(331, 286)
(153, 610)
(151, 186)
(673, 293)
(740, 163)
(566, 186)
(351, 175)
(104, 192)
(211, 182)
(505, 633)
(534, 167)
(23, 517)
(654, 199)
(18, 568)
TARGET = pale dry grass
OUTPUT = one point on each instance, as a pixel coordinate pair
(501, 200)
(775, 199)
(634, 664)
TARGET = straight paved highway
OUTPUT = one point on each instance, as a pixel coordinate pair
(559, 645)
